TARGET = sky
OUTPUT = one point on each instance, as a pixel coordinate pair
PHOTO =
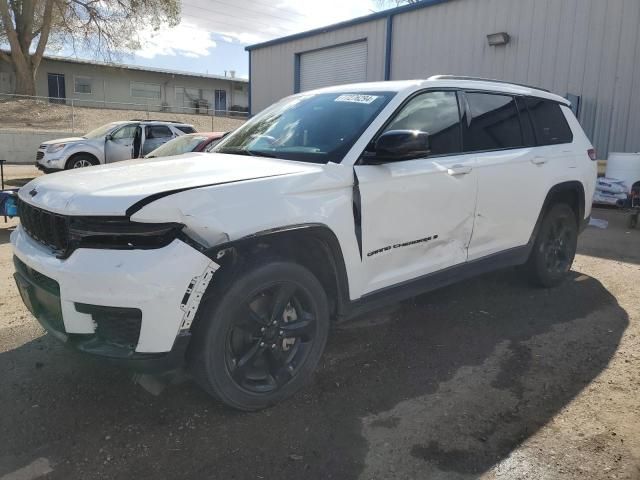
(213, 33)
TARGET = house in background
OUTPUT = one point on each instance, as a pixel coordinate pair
(98, 84)
(586, 50)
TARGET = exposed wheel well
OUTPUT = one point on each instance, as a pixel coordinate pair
(571, 193)
(315, 247)
(92, 157)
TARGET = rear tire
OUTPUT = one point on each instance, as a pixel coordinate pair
(554, 248)
(262, 339)
(80, 161)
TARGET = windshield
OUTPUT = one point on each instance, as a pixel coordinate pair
(101, 131)
(316, 127)
(178, 146)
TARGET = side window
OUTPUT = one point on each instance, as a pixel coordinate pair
(437, 114)
(494, 123)
(186, 129)
(549, 123)
(525, 120)
(125, 132)
(158, 131)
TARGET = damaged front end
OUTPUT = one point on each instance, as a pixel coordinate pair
(121, 290)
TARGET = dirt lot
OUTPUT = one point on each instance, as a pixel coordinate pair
(486, 379)
(26, 115)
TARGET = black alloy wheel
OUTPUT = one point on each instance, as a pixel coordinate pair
(270, 337)
(555, 247)
(258, 340)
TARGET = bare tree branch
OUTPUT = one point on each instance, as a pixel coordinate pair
(105, 27)
(45, 29)
(5, 57)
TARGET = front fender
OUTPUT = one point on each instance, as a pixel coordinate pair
(83, 147)
(222, 213)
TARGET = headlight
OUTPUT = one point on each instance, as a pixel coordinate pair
(120, 233)
(56, 147)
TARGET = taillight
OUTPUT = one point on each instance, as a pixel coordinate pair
(592, 154)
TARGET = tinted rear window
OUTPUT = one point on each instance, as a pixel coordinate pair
(494, 124)
(186, 129)
(549, 123)
(158, 131)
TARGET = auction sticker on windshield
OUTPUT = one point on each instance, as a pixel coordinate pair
(355, 98)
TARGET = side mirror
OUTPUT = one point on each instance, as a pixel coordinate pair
(396, 145)
(108, 137)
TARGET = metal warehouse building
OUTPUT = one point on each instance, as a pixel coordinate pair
(586, 50)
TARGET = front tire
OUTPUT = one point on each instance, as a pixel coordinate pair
(554, 248)
(80, 161)
(261, 341)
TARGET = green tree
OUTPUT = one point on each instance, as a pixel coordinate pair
(104, 27)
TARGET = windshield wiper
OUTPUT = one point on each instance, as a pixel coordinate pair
(247, 152)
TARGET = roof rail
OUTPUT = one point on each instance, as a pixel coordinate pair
(480, 79)
(156, 120)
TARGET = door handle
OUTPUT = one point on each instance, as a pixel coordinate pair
(538, 160)
(459, 170)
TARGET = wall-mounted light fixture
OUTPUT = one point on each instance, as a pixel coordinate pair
(500, 38)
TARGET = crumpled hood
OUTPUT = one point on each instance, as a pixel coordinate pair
(63, 140)
(111, 189)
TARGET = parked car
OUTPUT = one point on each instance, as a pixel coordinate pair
(112, 142)
(193, 142)
(323, 206)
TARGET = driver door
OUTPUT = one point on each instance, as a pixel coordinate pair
(120, 145)
(417, 215)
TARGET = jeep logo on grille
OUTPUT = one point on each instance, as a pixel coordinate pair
(33, 192)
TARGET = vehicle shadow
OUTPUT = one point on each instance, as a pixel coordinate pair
(5, 231)
(17, 182)
(444, 386)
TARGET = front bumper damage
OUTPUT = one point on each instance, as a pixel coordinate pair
(132, 307)
(49, 163)
(46, 169)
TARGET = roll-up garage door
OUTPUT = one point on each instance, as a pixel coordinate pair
(333, 66)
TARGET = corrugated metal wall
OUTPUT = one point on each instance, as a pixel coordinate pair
(589, 48)
(272, 68)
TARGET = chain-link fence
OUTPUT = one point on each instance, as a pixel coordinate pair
(77, 116)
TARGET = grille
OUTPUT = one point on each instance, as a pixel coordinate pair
(47, 228)
(39, 155)
(115, 325)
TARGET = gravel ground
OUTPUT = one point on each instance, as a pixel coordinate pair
(487, 379)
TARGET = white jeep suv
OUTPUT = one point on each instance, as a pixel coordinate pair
(109, 143)
(325, 205)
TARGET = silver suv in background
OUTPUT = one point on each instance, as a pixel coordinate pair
(112, 142)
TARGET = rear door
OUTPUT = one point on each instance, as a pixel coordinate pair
(155, 135)
(417, 215)
(511, 172)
